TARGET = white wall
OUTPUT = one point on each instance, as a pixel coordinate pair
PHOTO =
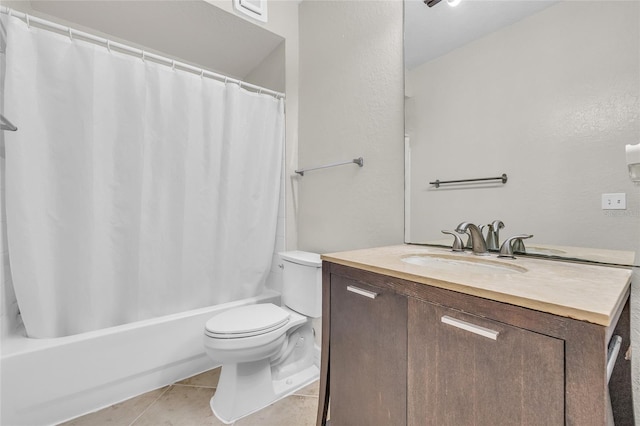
(351, 105)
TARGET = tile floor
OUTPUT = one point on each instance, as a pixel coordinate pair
(186, 403)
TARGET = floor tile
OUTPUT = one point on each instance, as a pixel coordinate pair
(208, 379)
(121, 414)
(181, 406)
(186, 403)
(292, 411)
(310, 390)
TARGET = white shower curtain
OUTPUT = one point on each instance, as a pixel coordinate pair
(132, 190)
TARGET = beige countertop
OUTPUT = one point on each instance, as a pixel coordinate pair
(585, 292)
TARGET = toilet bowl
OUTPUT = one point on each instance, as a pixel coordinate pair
(267, 352)
(249, 333)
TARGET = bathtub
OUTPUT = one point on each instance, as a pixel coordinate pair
(48, 381)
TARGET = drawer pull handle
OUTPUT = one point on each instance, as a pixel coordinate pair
(482, 331)
(362, 292)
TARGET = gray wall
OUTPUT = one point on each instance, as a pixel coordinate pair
(351, 105)
(270, 72)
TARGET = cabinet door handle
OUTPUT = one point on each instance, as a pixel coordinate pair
(482, 331)
(362, 292)
(612, 354)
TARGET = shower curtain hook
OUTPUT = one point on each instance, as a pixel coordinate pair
(109, 46)
(70, 34)
(225, 80)
(201, 73)
(28, 21)
(173, 65)
(143, 56)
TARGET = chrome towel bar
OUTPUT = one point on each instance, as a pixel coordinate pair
(359, 161)
(438, 182)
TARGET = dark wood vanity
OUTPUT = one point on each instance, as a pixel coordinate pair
(399, 352)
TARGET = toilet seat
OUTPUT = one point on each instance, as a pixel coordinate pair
(247, 321)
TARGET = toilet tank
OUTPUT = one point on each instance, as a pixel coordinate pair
(302, 282)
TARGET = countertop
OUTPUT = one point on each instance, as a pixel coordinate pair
(584, 292)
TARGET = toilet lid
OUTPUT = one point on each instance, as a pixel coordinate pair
(245, 321)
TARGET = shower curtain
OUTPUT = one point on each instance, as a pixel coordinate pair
(132, 190)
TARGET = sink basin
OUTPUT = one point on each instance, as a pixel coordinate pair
(462, 263)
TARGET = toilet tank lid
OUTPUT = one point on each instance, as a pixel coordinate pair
(302, 258)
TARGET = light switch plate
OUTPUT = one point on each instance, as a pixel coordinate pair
(617, 201)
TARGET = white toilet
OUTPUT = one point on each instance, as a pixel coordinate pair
(267, 352)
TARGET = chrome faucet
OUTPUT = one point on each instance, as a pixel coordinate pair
(493, 238)
(478, 245)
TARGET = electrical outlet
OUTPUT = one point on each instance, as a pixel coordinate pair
(616, 201)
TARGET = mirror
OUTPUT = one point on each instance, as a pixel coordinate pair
(545, 92)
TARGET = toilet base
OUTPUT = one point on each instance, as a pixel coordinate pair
(248, 387)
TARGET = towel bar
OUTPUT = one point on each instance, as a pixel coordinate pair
(438, 182)
(359, 161)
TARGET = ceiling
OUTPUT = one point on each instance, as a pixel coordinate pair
(185, 30)
(434, 31)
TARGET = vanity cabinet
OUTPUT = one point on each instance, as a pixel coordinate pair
(397, 352)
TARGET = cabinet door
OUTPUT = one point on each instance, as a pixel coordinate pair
(468, 370)
(368, 355)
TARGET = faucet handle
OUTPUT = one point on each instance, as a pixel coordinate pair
(518, 246)
(457, 241)
(506, 249)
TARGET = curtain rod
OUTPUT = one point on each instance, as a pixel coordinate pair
(48, 25)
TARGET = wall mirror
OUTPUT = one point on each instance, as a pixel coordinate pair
(547, 93)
